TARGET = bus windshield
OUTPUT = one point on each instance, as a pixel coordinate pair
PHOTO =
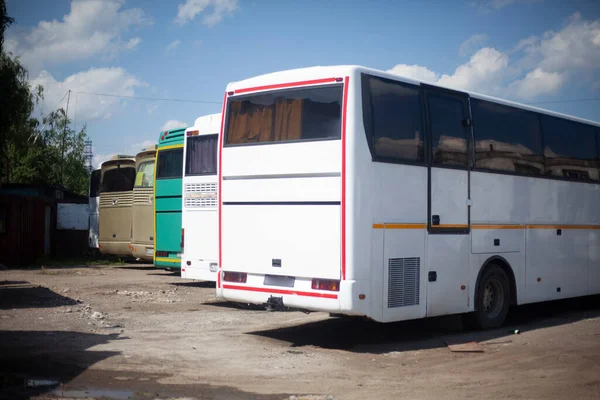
(118, 179)
(145, 174)
(287, 115)
(95, 183)
(170, 164)
(201, 155)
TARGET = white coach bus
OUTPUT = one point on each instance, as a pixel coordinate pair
(355, 191)
(199, 220)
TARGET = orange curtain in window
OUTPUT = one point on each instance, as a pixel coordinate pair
(288, 120)
(254, 124)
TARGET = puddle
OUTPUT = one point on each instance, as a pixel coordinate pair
(94, 393)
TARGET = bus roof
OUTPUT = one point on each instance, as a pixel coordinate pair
(263, 82)
(116, 158)
(170, 137)
(207, 124)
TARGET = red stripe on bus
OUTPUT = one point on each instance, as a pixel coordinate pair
(345, 109)
(219, 189)
(280, 291)
(285, 85)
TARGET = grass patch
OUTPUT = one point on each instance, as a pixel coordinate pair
(47, 262)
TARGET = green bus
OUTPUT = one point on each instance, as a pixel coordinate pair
(167, 199)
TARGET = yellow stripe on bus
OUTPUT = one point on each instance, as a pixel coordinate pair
(172, 146)
(171, 260)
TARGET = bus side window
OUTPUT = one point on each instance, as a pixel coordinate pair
(393, 120)
(507, 139)
(570, 149)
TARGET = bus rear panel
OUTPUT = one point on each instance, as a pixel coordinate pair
(116, 199)
(200, 218)
(281, 196)
(142, 241)
(167, 202)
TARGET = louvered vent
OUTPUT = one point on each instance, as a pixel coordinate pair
(143, 196)
(403, 281)
(116, 199)
(200, 195)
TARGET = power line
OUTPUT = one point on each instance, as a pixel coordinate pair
(150, 98)
(565, 101)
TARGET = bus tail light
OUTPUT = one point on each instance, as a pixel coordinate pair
(193, 133)
(326, 284)
(237, 277)
(182, 238)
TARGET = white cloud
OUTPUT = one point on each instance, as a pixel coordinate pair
(217, 10)
(87, 107)
(173, 124)
(415, 72)
(485, 71)
(173, 45)
(577, 45)
(536, 83)
(540, 65)
(91, 28)
(133, 42)
(492, 5)
(473, 43)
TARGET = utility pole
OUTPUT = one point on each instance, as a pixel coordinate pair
(62, 157)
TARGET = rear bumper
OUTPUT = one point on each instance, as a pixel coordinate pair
(199, 270)
(142, 251)
(120, 249)
(345, 301)
(170, 261)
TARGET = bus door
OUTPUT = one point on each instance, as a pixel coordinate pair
(449, 134)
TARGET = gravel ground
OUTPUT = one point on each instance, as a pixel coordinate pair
(133, 331)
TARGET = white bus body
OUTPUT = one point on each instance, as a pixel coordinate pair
(356, 191)
(93, 202)
(199, 220)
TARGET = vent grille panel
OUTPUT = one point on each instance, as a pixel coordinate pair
(143, 195)
(116, 199)
(404, 281)
(201, 195)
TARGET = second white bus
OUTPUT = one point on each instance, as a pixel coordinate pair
(199, 220)
(356, 191)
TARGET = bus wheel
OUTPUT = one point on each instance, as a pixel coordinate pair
(492, 299)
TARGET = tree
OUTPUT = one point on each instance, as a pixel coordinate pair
(53, 156)
(5, 22)
(42, 161)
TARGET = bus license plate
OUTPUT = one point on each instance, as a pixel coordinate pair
(149, 252)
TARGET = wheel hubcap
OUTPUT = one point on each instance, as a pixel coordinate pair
(493, 298)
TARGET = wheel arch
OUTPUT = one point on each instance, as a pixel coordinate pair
(501, 262)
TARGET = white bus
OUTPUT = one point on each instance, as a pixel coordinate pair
(355, 191)
(199, 220)
(94, 199)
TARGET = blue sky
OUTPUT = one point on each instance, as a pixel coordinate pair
(523, 50)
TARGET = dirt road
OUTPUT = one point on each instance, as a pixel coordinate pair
(134, 331)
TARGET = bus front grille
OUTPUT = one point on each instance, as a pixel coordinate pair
(403, 281)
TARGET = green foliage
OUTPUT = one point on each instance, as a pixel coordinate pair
(51, 154)
(5, 21)
(56, 151)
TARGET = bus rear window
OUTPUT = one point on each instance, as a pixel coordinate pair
(145, 174)
(95, 183)
(201, 155)
(283, 116)
(170, 164)
(118, 179)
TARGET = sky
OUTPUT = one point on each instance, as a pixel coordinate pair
(531, 51)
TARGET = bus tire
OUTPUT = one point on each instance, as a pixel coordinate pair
(492, 299)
